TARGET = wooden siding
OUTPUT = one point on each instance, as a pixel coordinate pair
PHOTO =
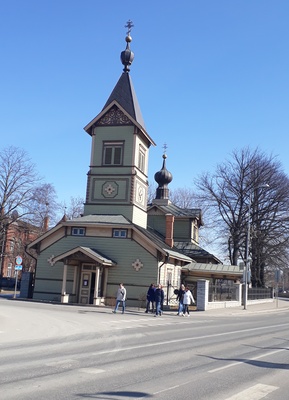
(113, 133)
(158, 222)
(182, 230)
(49, 240)
(124, 251)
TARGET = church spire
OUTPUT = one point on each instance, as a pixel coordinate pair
(127, 55)
(163, 178)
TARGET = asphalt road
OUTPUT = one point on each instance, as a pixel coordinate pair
(51, 352)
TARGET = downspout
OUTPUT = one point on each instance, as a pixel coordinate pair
(165, 262)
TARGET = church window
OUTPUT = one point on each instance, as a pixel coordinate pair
(141, 159)
(119, 233)
(112, 153)
(78, 231)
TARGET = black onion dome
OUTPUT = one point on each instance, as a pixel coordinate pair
(127, 55)
(163, 177)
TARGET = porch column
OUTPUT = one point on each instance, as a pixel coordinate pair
(74, 281)
(64, 296)
(105, 271)
(202, 294)
(95, 300)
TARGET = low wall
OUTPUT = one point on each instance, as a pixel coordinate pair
(222, 304)
(203, 303)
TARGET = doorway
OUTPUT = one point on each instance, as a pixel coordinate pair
(87, 287)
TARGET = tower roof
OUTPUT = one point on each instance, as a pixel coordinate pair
(124, 94)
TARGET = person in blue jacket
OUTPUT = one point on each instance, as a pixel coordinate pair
(159, 299)
(150, 297)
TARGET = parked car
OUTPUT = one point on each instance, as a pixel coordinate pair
(9, 283)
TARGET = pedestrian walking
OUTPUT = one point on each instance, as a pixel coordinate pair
(180, 298)
(159, 299)
(120, 298)
(187, 300)
(150, 298)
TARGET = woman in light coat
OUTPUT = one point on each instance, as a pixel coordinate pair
(188, 299)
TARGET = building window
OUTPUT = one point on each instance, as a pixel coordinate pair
(78, 231)
(9, 270)
(141, 159)
(119, 233)
(12, 246)
(112, 153)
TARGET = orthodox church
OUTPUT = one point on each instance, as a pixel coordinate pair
(119, 238)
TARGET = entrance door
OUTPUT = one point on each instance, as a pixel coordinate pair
(87, 284)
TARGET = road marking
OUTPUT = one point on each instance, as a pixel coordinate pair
(255, 392)
(244, 362)
(91, 370)
(67, 363)
(188, 339)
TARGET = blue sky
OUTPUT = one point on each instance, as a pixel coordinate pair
(211, 76)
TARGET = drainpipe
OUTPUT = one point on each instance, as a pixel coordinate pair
(165, 262)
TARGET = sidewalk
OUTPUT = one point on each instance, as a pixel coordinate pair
(278, 304)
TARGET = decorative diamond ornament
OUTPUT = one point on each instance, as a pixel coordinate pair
(137, 264)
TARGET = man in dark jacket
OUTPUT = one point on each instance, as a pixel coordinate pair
(159, 299)
(180, 298)
(150, 297)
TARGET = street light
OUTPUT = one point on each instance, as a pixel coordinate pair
(247, 262)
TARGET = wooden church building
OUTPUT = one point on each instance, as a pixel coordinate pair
(119, 239)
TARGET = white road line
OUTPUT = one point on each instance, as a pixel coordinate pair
(165, 342)
(91, 370)
(255, 392)
(249, 359)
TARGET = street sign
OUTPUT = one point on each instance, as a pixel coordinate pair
(18, 260)
(18, 268)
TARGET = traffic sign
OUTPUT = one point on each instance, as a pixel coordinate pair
(18, 260)
(18, 268)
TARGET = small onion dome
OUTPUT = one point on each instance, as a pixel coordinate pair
(127, 55)
(163, 177)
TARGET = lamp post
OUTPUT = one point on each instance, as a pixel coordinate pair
(247, 262)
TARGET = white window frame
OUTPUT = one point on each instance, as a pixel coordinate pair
(119, 233)
(141, 158)
(113, 146)
(77, 231)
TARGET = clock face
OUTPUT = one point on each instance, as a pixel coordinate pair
(140, 194)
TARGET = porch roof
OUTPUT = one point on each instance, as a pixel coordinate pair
(214, 270)
(88, 252)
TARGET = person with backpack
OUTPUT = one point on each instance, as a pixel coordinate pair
(187, 300)
(180, 298)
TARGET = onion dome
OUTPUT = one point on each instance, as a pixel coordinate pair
(163, 178)
(127, 55)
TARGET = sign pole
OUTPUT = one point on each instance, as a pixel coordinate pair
(16, 278)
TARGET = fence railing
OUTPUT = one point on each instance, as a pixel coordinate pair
(260, 293)
(222, 293)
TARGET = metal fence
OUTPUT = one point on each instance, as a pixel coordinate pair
(222, 292)
(260, 293)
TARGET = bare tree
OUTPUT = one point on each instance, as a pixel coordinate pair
(184, 198)
(43, 206)
(17, 181)
(75, 207)
(151, 192)
(236, 187)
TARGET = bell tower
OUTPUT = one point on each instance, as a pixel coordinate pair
(117, 181)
